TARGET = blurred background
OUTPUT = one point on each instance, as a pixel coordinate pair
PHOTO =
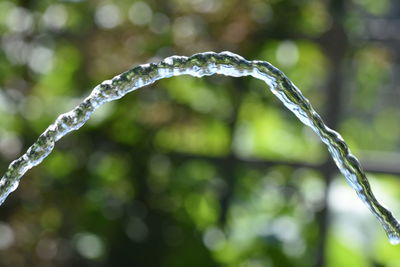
(199, 172)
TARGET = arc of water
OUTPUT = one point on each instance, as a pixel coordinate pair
(199, 65)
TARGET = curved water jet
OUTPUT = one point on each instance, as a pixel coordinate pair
(199, 65)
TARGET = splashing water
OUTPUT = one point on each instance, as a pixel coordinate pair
(199, 65)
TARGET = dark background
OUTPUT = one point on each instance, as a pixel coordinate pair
(199, 172)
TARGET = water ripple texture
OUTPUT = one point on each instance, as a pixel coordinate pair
(199, 65)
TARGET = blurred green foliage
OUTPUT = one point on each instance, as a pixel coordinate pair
(169, 175)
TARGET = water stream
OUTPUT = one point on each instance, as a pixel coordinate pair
(199, 65)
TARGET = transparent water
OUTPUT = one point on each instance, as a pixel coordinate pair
(199, 65)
